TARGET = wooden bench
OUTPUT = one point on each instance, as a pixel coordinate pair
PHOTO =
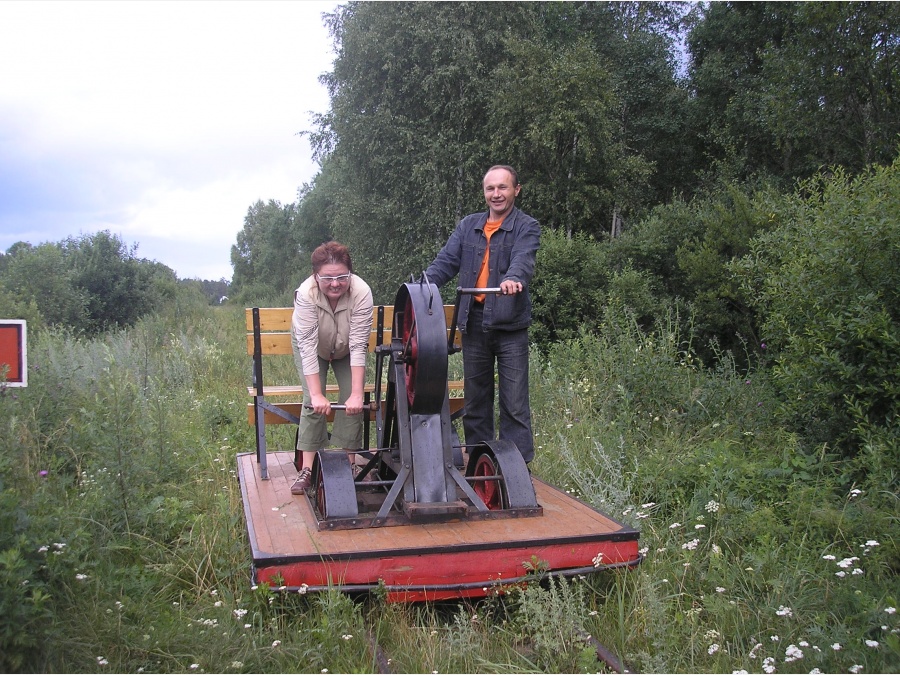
(269, 333)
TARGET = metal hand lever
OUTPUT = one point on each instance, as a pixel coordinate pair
(478, 291)
(460, 291)
(340, 406)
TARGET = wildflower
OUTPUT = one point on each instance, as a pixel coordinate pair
(837, 646)
(855, 669)
(276, 643)
(674, 525)
(870, 543)
(792, 653)
(753, 651)
(855, 493)
(784, 611)
(648, 505)
(194, 666)
(720, 589)
(59, 547)
(841, 574)
(699, 526)
(768, 664)
(246, 625)
(815, 671)
(712, 506)
(644, 551)
(890, 610)
(346, 637)
(237, 665)
(713, 648)
(324, 670)
(303, 588)
(847, 562)
(217, 603)
(43, 549)
(872, 643)
(81, 577)
(739, 672)
(691, 545)
(829, 557)
(716, 549)
(774, 638)
(857, 571)
(43, 473)
(803, 643)
(593, 612)
(239, 613)
(102, 661)
(597, 559)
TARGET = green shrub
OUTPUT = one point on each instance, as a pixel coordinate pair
(827, 285)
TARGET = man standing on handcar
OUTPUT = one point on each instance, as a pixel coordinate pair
(494, 249)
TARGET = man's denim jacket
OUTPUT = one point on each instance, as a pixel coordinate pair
(513, 250)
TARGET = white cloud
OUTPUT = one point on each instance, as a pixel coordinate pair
(160, 121)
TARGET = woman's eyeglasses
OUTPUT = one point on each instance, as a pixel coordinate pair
(342, 279)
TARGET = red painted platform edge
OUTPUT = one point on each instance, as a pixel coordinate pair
(264, 560)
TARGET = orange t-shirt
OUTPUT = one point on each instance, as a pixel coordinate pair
(481, 281)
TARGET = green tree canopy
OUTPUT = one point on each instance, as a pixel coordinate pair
(89, 283)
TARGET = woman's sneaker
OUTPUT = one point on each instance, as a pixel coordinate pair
(303, 482)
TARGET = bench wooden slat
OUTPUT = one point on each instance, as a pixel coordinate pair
(279, 318)
(275, 327)
(297, 390)
(280, 343)
(296, 408)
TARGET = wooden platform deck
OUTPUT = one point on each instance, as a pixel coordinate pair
(419, 562)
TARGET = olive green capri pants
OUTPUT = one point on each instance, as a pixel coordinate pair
(313, 429)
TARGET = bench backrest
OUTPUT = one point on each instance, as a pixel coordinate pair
(275, 328)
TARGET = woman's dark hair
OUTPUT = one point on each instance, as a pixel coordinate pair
(331, 253)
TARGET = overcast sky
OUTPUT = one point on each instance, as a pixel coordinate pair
(162, 122)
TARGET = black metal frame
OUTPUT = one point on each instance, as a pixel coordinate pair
(418, 457)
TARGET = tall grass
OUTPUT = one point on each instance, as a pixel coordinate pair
(122, 542)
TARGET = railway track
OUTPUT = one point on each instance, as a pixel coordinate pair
(604, 654)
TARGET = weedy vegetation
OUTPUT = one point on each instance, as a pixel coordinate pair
(122, 541)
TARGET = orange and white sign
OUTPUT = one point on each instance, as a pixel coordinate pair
(13, 353)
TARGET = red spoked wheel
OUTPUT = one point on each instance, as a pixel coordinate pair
(491, 492)
(423, 333)
(411, 350)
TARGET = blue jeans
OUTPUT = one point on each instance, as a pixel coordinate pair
(509, 350)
